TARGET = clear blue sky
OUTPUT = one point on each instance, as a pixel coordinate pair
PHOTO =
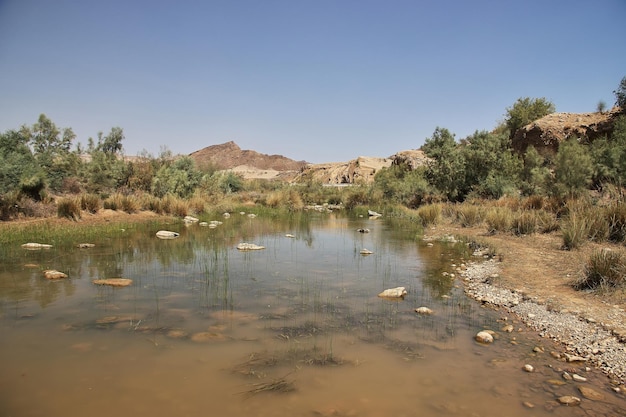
(314, 80)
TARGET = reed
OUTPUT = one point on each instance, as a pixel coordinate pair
(69, 207)
(499, 219)
(575, 230)
(524, 222)
(605, 269)
(90, 203)
(429, 214)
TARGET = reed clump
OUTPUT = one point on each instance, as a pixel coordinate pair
(69, 207)
(524, 222)
(429, 214)
(605, 269)
(499, 219)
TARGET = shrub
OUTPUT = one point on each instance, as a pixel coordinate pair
(499, 219)
(468, 215)
(616, 215)
(357, 197)
(69, 207)
(605, 268)
(547, 221)
(286, 198)
(525, 222)
(90, 202)
(429, 214)
(575, 230)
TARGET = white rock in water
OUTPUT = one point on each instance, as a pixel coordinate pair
(249, 246)
(32, 245)
(484, 337)
(191, 219)
(366, 252)
(53, 274)
(528, 368)
(569, 400)
(252, 215)
(289, 235)
(424, 311)
(226, 215)
(398, 292)
(166, 234)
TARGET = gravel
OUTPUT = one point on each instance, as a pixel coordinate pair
(583, 338)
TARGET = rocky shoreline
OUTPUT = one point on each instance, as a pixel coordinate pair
(584, 338)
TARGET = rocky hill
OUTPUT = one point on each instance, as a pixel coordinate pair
(547, 133)
(230, 156)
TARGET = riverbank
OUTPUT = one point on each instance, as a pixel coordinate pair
(531, 277)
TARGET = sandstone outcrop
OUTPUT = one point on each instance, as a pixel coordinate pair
(547, 133)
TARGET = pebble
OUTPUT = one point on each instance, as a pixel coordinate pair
(484, 337)
(584, 340)
(528, 368)
(569, 400)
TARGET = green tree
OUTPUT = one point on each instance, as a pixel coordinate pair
(445, 169)
(18, 165)
(400, 184)
(491, 168)
(535, 175)
(573, 168)
(609, 156)
(526, 110)
(180, 178)
(620, 94)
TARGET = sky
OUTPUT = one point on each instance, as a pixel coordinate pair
(314, 80)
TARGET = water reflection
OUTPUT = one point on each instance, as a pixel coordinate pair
(295, 329)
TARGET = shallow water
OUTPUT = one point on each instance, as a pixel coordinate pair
(295, 329)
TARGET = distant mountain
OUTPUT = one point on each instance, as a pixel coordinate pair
(229, 156)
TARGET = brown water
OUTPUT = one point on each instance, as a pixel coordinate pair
(296, 329)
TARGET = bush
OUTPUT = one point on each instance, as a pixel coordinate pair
(90, 202)
(429, 214)
(499, 219)
(69, 207)
(575, 230)
(285, 198)
(605, 268)
(468, 215)
(616, 215)
(524, 223)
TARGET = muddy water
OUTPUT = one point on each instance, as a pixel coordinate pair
(295, 329)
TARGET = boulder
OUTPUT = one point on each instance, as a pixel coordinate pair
(113, 282)
(425, 311)
(53, 274)
(484, 337)
(166, 234)
(249, 246)
(36, 246)
(398, 292)
(191, 219)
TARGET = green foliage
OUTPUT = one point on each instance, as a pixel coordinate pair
(575, 229)
(616, 215)
(18, 163)
(573, 168)
(445, 170)
(620, 94)
(601, 106)
(604, 269)
(525, 111)
(609, 156)
(179, 178)
(491, 168)
(401, 185)
(535, 175)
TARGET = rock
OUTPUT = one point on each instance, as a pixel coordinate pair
(484, 337)
(203, 224)
(113, 282)
(249, 246)
(508, 328)
(363, 230)
(36, 246)
(53, 274)
(166, 234)
(190, 219)
(528, 368)
(574, 358)
(252, 215)
(566, 376)
(590, 393)
(398, 292)
(372, 213)
(85, 245)
(226, 215)
(424, 311)
(579, 378)
(289, 235)
(366, 252)
(569, 400)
